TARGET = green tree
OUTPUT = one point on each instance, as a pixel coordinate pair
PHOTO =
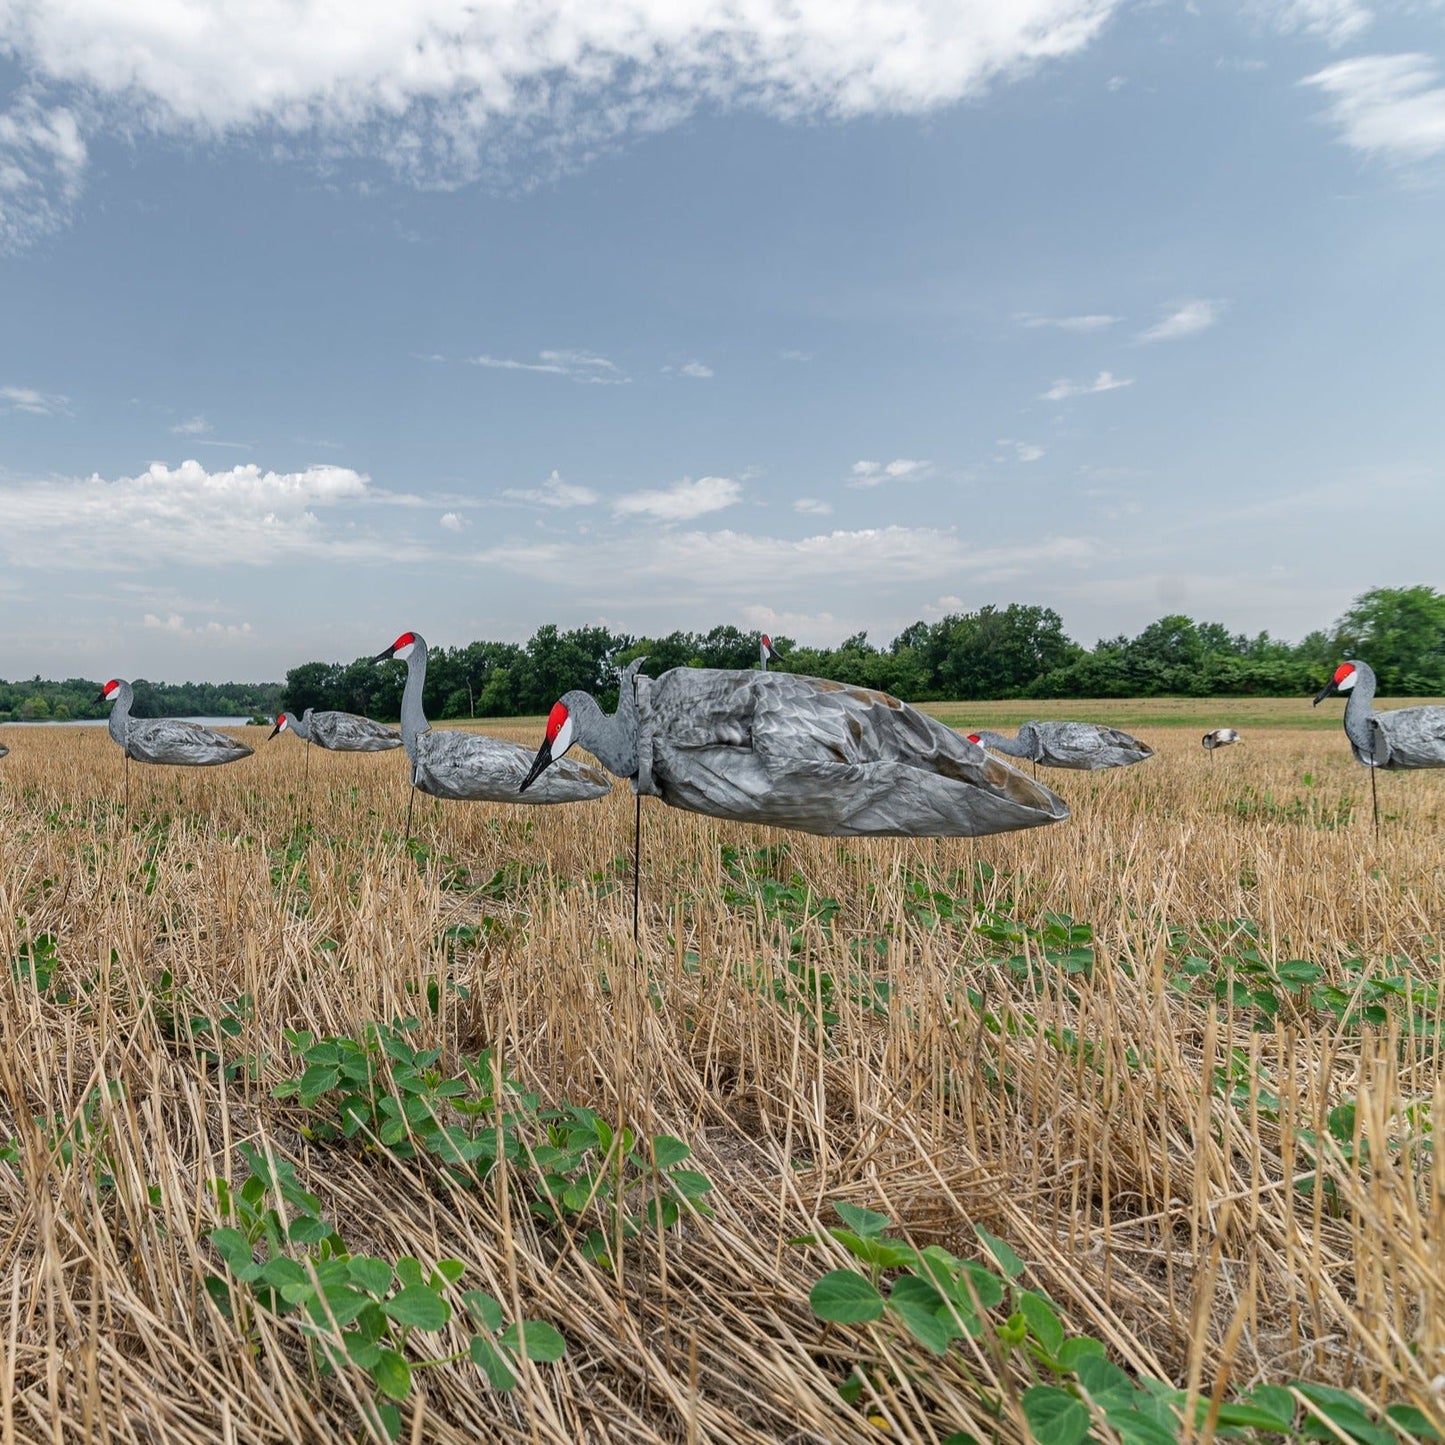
(1400, 632)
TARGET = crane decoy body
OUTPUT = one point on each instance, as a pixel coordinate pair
(166, 739)
(1219, 738)
(4, 751)
(340, 732)
(1406, 737)
(470, 767)
(767, 653)
(795, 752)
(1085, 747)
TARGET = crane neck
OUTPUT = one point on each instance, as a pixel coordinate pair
(1019, 747)
(1359, 710)
(612, 740)
(118, 724)
(301, 726)
(413, 719)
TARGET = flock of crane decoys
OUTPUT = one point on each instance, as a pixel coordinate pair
(776, 748)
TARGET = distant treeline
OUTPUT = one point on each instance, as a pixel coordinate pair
(39, 701)
(1016, 651)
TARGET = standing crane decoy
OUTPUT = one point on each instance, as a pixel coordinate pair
(1219, 738)
(1084, 747)
(470, 767)
(795, 752)
(164, 739)
(1405, 737)
(767, 653)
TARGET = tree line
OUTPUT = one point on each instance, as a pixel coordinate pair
(36, 700)
(1017, 651)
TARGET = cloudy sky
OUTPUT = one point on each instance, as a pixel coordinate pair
(322, 321)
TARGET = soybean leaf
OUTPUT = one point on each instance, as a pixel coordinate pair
(418, 1307)
(1054, 1417)
(487, 1358)
(845, 1297)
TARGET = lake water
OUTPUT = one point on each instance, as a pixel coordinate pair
(99, 722)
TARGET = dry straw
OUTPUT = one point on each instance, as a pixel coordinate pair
(1138, 1146)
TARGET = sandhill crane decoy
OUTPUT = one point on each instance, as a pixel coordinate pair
(1405, 737)
(339, 732)
(167, 740)
(795, 752)
(1219, 738)
(471, 767)
(1086, 747)
(4, 751)
(767, 653)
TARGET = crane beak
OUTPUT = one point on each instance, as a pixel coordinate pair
(273, 732)
(98, 698)
(540, 764)
(383, 656)
(1328, 690)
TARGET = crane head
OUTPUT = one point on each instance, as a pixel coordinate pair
(1342, 681)
(556, 742)
(110, 691)
(282, 723)
(400, 649)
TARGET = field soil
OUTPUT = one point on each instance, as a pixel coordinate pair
(1179, 1055)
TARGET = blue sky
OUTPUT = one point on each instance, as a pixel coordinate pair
(320, 322)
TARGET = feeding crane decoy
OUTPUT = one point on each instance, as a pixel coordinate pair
(795, 752)
(340, 732)
(1405, 737)
(767, 653)
(1086, 747)
(1219, 738)
(470, 767)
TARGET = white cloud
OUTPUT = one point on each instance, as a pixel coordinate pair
(696, 368)
(1105, 381)
(792, 355)
(197, 426)
(554, 492)
(728, 563)
(188, 515)
(682, 501)
(42, 166)
(449, 90)
(176, 625)
(453, 521)
(37, 403)
(1186, 319)
(1386, 105)
(1091, 322)
(575, 365)
(1018, 451)
(1334, 21)
(813, 507)
(874, 474)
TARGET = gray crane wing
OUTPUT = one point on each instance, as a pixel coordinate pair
(470, 767)
(346, 732)
(185, 744)
(822, 757)
(1414, 737)
(1088, 747)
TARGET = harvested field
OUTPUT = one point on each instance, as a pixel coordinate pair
(1180, 1055)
